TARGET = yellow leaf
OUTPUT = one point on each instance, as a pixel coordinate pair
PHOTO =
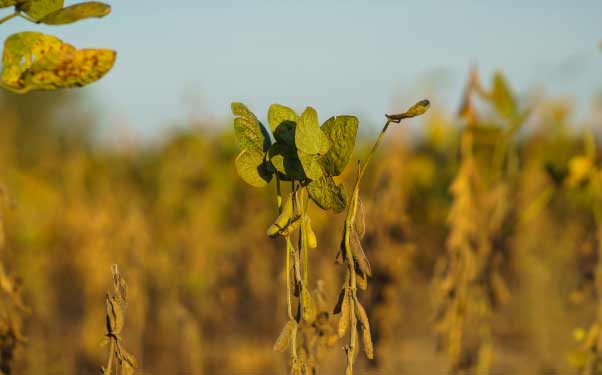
(34, 61)
(76, 12)
(38, 9)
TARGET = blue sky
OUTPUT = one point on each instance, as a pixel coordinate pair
(191, 58)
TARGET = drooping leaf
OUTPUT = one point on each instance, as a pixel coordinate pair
(38, 9)
(250, 133)
(341, 131)
(502, 97)
(277, 114)
(77, 12)
(34, 61)
(311, 165)
(416, 110)
(252, 169)
(309, 138)
(327, 194)
(285, 160)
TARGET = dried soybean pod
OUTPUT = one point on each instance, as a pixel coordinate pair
(345, 315)
(306, 305)
(361, 280)
(367, 341)
(361, 261)
(283, 219)
(283, 340)
(365, 325)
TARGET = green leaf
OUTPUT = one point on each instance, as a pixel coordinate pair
(252, 169)
(38, 9)
(285, 133)
(311, 165)
(34, 61)
(285, 160)
(341, 131)
(502, 97)
(277, 114)
(250, 133)
(309, 138)
(77, 12)
(327, 194)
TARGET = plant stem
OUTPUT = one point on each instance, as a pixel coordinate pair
(10, 16)
(109, 368)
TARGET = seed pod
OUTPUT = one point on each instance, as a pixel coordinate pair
(306, 305)
(365, 327)
(283, 219)
(362, 280)
(361, 261)
(345, 315)
(283, 340)
(312, 240)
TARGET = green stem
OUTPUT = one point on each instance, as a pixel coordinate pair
(10, 16)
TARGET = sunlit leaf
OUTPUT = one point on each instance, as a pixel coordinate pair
(285, 160)
(76, 12)
(38, 9)
(502, 97)
(327, 194)
(252, 169)
(309, 138)
(277, 114)
(311, 165)
(250, 133)
(341, 131)
(34, 61)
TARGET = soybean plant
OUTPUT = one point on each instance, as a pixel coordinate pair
(307, 156)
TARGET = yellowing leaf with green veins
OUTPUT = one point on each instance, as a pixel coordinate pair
(328, 195)
(311, 165)
(76, 12)
(252, 169)
(250, 133)
(502, 97)
(277, 114)
(38, 9)
(34, 61)
(341, 131)
(309, 138)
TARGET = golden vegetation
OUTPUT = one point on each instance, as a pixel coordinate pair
(491, 230)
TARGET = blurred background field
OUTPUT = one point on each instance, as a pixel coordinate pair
(206, 284)
(138, 170)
